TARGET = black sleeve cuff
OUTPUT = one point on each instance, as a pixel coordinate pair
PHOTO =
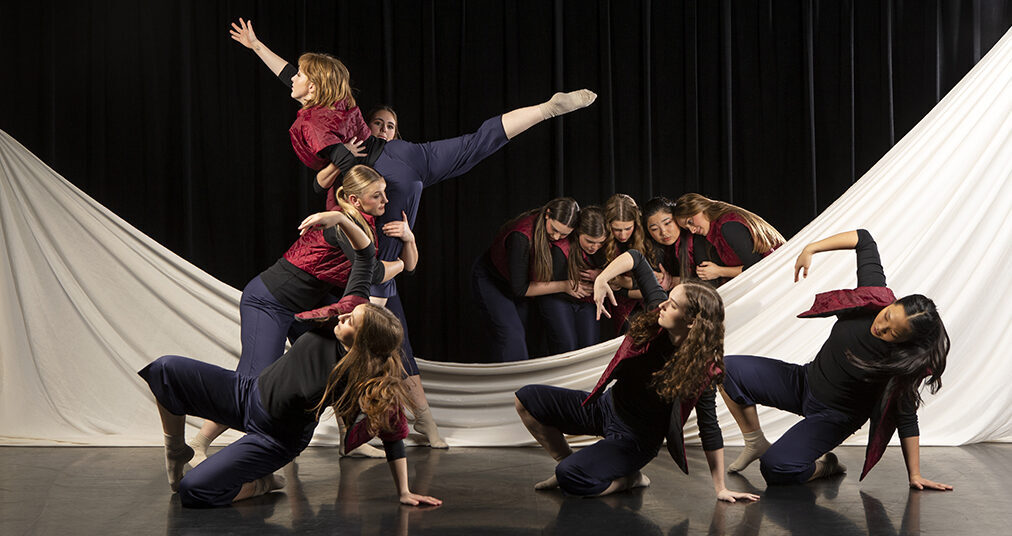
(394, 450)
(287, 73)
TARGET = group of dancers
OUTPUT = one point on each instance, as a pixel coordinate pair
(352, 353)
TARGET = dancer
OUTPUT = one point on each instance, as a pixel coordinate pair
(872, 365)
(667, 365)
(662, 232)
(304, 278)
(626, 226)
(570, 323)
(351, 366)
(409, 168)
(735, 239)
(518, 266)
(329, 127)
(382, 122)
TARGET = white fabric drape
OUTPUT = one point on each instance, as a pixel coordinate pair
(86, 300)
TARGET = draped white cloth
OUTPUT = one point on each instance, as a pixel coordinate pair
(86, 300)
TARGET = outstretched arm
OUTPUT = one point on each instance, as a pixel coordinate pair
(912, 455)
(243, 33)
(399, 470)
(847, 240)
(321, 220)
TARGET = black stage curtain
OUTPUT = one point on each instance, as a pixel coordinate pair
(777, 106)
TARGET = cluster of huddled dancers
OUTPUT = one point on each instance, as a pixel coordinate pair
(572, 267)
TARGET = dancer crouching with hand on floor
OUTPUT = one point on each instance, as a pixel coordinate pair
(353, 366)
(667, 365)
(871, 366)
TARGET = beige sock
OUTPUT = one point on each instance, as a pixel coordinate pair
(828, 465)
(755, 446)
(548, 483)
(267, 484)
(199, 444)
(563, 103)
(426, 425)
(365, 450)
(177, 453)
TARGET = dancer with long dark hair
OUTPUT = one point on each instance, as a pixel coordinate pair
(518, 266)
(571, 323)
(667, 365)
(879, 353)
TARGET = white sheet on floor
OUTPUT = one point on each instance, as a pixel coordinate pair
(86, 299)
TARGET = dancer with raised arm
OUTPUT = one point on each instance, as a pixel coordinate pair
(352, 366)
(871, 367)
(408, 169)
(667, 365)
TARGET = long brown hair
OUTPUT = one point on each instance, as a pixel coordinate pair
(371, 372)
(561, 209)
(621, 207)
(765, 237)
(331, 78)
(590, 222)
(685, 373)
(355, 182)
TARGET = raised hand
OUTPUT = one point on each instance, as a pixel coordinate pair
(243, 33)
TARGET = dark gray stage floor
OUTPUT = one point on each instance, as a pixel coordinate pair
(67, 490)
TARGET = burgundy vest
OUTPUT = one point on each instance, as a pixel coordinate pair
(679, 411)
(715, 237)
(497, 253)
(319, 127)
(869, 299)
(312, 254)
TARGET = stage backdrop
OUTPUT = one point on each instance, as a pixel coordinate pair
(778, 106)
(86, 299)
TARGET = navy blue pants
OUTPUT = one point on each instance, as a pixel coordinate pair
(264, 326)
(569, 324)
(410, 167)
(186, 386)
(751, 380)
(590, 470)
(503, 314)
(407, 354)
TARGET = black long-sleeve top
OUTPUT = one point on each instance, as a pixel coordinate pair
(635, 401)
(832, 377)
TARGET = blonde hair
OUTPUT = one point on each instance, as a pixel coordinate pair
(621, 207)
(371, 372)
(765, 237)
(356, 181)
(331, 78)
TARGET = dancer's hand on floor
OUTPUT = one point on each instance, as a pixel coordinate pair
(919, 482)
(413, 499)
(734, 496)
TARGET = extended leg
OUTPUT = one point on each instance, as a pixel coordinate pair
(521, 119)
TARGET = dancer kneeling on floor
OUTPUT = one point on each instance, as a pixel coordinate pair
(872, 365)
(353, 366)
(667, 365)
